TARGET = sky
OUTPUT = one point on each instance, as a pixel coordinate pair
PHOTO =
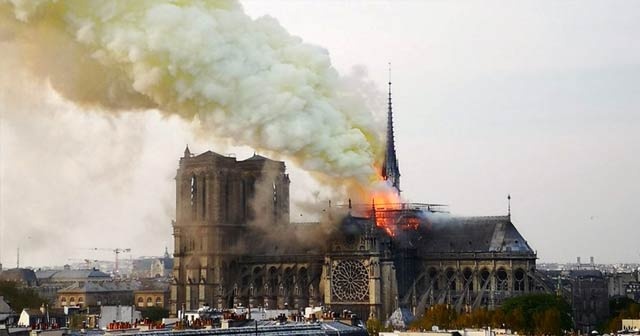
(536, 99)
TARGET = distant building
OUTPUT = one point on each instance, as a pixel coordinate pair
(24, 277)
(7, 315)
(90, 294)
(126, 313)
(624, 284)
(631, 325)
(587, 292)
(37, 318)
(51, 281)
(154, 267)
(152, 294)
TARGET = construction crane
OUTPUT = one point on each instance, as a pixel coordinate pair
(117, 252)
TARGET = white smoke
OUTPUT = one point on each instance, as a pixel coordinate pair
(243, 79)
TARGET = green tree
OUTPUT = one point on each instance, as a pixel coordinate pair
(536, 306)
(155, 314)
(20, 298)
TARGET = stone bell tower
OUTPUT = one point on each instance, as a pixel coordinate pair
(217, 197)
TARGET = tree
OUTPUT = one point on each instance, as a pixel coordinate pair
(620, 308)
(155, 314)
(374, 327)
(548, 322)
(498, 318)
(480, 318)
(20, 298)
(515, 319)
(550, 313)
(442, 316)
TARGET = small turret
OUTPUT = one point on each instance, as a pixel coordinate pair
(187, 152)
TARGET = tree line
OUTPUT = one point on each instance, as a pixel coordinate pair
(535, 314)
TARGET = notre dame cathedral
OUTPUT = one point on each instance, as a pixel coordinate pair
(377, 259)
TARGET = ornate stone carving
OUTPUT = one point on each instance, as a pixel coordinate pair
(350, 281)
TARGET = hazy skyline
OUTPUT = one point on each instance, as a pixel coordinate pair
(537, 99)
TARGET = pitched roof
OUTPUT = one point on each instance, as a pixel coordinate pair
(4, 307)
(474, 234)
(22, 275)
(92, 287)
(153, 285)
(89, 274)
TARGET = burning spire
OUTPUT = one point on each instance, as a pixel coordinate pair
(390, 170)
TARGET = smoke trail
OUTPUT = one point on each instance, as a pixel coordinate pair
(244, 79)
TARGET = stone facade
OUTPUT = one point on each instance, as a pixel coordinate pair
(586, 290)
(91, 294)
(624, 284)
(373, 263)
(216, 197)
(51, 281)
(146, 298)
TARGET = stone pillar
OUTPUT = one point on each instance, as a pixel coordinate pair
(492, 289)
(510, 279)
(201, 294)
(173, 301)
(187, 299)
(376, 290)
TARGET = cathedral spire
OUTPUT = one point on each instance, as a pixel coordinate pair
(390, 170)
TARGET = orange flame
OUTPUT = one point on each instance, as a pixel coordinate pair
(384, 197)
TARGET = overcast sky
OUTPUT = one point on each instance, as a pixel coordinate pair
(538, 99)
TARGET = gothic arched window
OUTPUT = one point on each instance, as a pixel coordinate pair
(502, 279)
(467, 274)
(484, 278)
(204, 197)
(193, 190)
(519, 280)
(451, 279)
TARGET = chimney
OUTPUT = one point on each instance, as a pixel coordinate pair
(578, 259)
(592, 262)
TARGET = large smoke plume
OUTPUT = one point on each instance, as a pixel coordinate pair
(244, 79)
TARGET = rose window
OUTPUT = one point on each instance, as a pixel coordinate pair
(350, 281)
